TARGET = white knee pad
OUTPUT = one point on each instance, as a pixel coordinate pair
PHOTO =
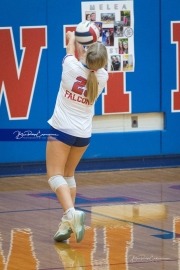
(70, 181)
(56, 181)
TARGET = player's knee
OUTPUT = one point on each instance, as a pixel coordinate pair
(56, 181)
(70, 181)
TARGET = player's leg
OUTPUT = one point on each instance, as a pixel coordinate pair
(73, 159)
(56, 157)
(72, 185)
(77, 223)
(57, 154)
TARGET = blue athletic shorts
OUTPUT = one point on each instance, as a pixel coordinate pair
(68, 139)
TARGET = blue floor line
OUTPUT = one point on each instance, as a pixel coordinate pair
(30, 210)
(127, 221)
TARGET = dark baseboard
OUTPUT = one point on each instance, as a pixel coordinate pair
(94, 165)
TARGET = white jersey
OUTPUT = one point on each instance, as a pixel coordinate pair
(73, 113)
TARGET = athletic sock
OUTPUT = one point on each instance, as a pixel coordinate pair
(68, 214)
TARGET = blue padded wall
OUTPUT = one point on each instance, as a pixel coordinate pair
(150, 84)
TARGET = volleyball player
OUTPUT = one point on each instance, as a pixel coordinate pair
(71, 123)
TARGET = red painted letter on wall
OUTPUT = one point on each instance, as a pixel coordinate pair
(116, 100)
(175, 38)
(17, 81)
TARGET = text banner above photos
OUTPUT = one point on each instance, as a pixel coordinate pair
(115, 21)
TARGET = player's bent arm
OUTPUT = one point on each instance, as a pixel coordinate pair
(81, 52)
(70, 49)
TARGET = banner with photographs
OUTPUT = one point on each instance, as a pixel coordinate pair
(115, 21)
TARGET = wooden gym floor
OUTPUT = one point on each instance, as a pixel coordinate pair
(132, 222)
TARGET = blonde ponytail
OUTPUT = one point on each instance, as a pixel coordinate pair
(96, 58)
(92, 87)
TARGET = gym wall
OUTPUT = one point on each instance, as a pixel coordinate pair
(33, 32)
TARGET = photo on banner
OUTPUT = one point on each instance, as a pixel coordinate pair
(115, 21)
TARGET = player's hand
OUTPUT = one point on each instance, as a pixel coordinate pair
(70, 35)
